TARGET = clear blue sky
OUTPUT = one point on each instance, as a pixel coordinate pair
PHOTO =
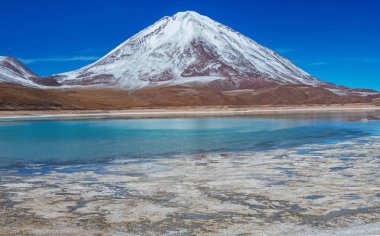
(334, 40)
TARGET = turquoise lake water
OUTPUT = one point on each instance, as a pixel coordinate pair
(82, 142)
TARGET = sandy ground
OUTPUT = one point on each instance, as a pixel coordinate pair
(170, 112)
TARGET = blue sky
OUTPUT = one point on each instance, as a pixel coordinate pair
(334, 40)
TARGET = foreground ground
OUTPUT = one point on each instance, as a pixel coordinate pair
(312, 189)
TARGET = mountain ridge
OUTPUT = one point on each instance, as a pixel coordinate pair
(13, 71)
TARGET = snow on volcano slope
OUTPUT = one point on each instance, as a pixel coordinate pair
(12, 71)
(187, 47)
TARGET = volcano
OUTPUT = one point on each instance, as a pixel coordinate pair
(188, 48)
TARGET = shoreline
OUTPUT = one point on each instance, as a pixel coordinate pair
(183, 112)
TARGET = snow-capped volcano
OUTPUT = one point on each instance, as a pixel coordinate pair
(187, 47)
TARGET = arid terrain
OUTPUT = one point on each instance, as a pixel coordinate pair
(17, 97)
(377, 102)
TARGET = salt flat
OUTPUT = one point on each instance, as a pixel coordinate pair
(314, 189)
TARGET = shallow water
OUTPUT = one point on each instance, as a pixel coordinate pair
(70, 142)
(303, 174)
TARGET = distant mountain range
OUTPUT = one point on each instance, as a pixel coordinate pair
(186, 59)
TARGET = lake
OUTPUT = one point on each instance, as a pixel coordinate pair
(265, 174)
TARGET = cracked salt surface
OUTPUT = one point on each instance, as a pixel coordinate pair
(318, 189)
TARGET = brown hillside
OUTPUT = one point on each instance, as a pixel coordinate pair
(16, 97)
